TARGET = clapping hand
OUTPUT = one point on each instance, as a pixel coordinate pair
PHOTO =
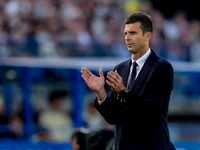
(115, 81)
(94, 82)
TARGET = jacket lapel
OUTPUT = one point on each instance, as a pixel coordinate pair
(144, 71)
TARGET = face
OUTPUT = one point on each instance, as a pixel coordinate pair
(136, 41)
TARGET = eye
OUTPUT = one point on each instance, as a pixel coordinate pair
(133, 32)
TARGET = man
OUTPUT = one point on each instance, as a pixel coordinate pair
(138, 104)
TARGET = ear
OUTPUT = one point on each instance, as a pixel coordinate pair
(148, 35)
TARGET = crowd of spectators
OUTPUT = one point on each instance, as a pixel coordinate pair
(74, 28)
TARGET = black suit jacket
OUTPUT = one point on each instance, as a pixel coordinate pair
(141, 121)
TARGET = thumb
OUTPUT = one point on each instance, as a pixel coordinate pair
(101, 72)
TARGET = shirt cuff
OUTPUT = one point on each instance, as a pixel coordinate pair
(100, 102)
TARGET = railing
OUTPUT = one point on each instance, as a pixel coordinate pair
(27, 71)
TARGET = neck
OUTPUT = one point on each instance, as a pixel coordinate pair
(136, 56)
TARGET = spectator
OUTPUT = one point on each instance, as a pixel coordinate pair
(54, 120)
(15, 126)
(11, 127)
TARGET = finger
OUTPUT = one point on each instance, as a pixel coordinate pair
(112, 77)
(117, 76)
(82, 71)
(101, 72)
(114, 89)
(84, 78)
(110, 84)
(85, 73)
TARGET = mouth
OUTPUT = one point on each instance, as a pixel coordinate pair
(129, 45)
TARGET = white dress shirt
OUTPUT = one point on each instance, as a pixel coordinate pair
(140, 62)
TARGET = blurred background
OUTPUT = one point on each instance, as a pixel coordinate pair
(44, 44)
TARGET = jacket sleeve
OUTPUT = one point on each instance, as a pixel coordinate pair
(110, 109)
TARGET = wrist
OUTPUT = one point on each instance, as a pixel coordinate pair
(101, 95)
(124, 93)
(122, 88)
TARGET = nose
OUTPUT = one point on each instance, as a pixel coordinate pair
(127, 37)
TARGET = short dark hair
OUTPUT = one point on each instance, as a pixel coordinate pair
(57, 94)
(80, 137)
(143, 18)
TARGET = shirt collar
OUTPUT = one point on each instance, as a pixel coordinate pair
(142, 59)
